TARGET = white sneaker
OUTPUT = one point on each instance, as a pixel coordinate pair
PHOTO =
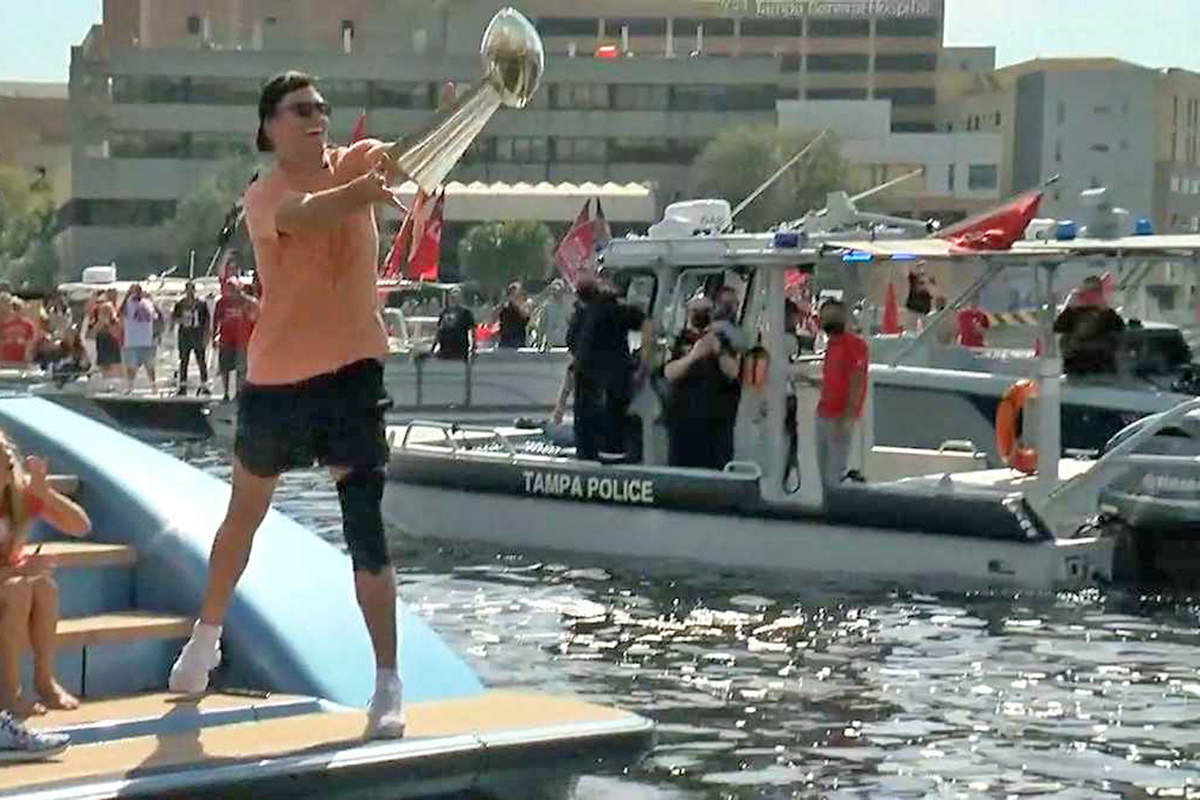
(18, 743)
(385, 714)
(189, 674)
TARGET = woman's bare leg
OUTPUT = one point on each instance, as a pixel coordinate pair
(43, 627)
(16, 599)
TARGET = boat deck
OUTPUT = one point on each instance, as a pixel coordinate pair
(231, 739)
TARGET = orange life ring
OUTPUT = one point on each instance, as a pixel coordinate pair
(1023, 459)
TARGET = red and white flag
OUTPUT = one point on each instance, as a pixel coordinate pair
(427, 247)
(577, 248)
(395, 263)
(996, 229)
(601, 233)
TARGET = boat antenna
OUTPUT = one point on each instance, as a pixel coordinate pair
(771, 180)
(232, 219)
(885, 186)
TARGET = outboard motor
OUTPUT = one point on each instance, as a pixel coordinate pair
(1153, 509)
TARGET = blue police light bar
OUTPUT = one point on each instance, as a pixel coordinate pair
(856, 256)
(787, 239)
(904, 257)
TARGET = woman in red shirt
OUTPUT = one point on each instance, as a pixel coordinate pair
(28, 593)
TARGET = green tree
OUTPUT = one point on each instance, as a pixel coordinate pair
(200, 216)
(494, 254)
(27, 226)
(734, 164)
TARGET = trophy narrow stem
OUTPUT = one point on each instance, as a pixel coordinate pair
(426, 157)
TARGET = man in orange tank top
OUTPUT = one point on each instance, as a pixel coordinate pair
(314, 390)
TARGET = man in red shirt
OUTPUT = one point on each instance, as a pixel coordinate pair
(233, 319)
(971, 324)
(18, 335)
(843, 392)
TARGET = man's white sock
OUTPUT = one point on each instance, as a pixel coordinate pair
(385, 677)
(206, 634)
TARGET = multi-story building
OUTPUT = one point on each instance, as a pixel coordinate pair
(164, 90)
(34, 137)
(1093, 122)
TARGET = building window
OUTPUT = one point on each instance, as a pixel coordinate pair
(908, 96)
(653, 150)
(117, 213)
(568, 26)
(713, 26)
(347, 94)
(1102, 110)
(1062, 111)
(347, 36)
(642, 26)
(395, 94)
(522, 149)
(843, 62)
(223, 91)
(193, 25)
(149, 89)
(1058, 148)
(707, 97)
(1099, 148)
(581, 96)
(580, 150)
(836, 94)
(981, 177)
(790, 62)
(849, 28)
(998, 119)
(917, 26)
(640, 97)
(905, 62)
(772, 28)
(950, 177)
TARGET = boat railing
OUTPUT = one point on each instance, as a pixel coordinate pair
(1069, 503)
(449, 439)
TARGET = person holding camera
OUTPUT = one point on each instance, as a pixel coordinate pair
(704, 387)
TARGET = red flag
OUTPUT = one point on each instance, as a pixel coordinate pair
(996, 229)
(891, 310)
(360, 128)
(577, 248)
(397, 257)
(1106, 287)
(423, 265)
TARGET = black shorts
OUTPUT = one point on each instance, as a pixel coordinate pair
(335, 419)
(231, 359)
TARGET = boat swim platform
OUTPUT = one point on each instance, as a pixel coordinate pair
(235, 745)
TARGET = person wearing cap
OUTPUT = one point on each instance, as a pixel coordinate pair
(1091, 331)
(314, 388)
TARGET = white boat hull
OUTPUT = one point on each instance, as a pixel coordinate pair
(756, 543)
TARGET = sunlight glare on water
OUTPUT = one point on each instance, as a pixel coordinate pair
(765, 687)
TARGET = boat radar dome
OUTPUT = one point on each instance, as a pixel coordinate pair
(691, 217)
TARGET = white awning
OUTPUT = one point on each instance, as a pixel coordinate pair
(547, 202)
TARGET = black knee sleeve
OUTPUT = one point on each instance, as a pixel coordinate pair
(360, 494)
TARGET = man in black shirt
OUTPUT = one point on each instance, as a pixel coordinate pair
(455, 330)
(514, 318)
(704, 391)
(1091, 331)
(191, 318)
(602, 368)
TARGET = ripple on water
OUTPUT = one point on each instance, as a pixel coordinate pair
(765, 688)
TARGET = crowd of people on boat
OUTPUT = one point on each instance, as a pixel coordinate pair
(115, 336)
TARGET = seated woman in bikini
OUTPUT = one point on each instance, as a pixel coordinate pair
(28, 593)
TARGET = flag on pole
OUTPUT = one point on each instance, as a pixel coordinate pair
(891, 310)
(996, 229)
(577, 248)
(360, 128)
(423, 264)
(395, 263)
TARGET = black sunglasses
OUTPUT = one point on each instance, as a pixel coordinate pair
(306, 108)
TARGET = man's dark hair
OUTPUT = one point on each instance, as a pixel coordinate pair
(275, 90)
